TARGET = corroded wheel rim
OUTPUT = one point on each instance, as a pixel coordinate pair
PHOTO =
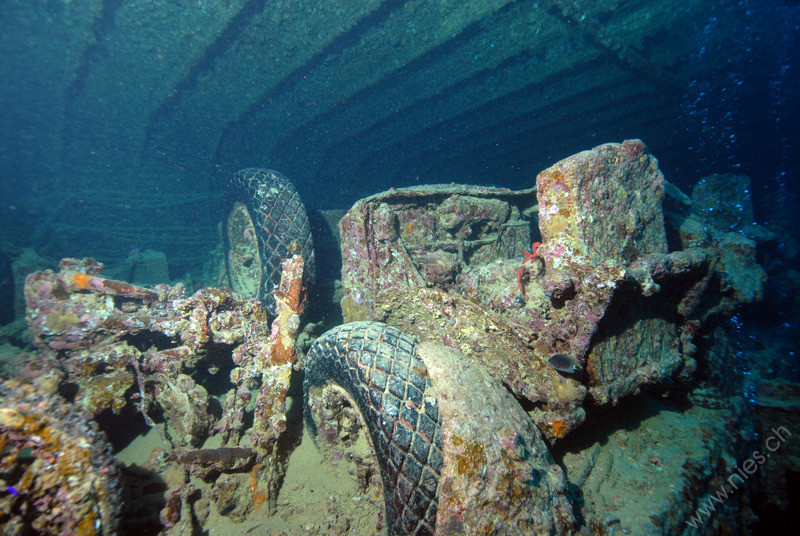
(280, 220)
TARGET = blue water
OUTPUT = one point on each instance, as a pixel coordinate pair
(133, 117)
(122, 121)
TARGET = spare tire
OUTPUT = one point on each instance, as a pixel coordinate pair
(378, 367)
(266, 224)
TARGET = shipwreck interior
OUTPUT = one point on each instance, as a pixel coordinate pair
(122, 120)
(548, 250)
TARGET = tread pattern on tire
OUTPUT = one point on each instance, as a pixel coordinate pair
(378, 366)
(280, 220)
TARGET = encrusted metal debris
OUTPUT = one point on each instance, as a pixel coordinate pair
(163, 352)
(586, 272)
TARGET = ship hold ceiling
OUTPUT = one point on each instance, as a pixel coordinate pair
(123, 119)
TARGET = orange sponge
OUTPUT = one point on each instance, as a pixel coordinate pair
(81, 280)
